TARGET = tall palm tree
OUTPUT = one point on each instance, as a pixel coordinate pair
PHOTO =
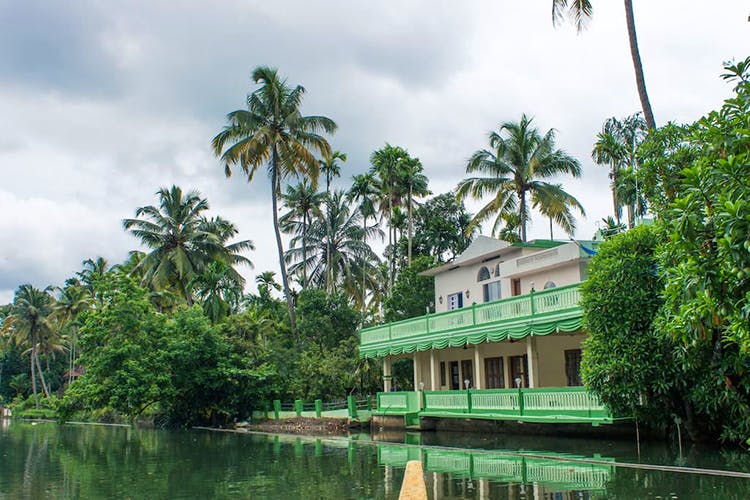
(182, 241)
(580, 11)
(330, 166)
(266, 282)
(364, 192)
(414, 182)
(339, 249)
(93, 269)
(554, 203)
(303, 201)
(73, 300)
(609, 150)
(31, 323)
(515, 167)
(273, 132)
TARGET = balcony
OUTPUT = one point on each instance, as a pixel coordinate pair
(538, 313)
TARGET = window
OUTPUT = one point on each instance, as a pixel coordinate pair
(494, 373)
(573, 367)
(549, 284)
(491, 291)
(455, 376)
(515, 287)
(519, 369)
(455, 300)
(484, 274)
(467, 371)
(442, 373)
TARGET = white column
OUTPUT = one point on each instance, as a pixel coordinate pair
(477, 369)
(434, 371)
(417, 370)
(531, 352)
(387, 383)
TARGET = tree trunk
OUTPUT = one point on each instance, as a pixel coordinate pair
(391, 240)
(279, 245)
(522, 208)
(408, 259)
(304, 250)
(615, 203)
(364, 237)
(640, 80)
(33, 372)
(41, 376)
(551, 237)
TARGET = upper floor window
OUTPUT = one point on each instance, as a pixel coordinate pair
(455, 300)
(484, 274)
(549, 284)
(492, 291)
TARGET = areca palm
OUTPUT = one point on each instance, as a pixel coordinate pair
(30, 323)
(514, 170)
(580, 11)
(218, 290)
(414, 183)
(609, 150)
(364, 192)
(273, 132)
(182, 241)
(339, 250)
(330, 166)
(304, 202)
(73, 300)
(557, 205)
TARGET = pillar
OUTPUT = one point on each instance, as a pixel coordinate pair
(531, 352)
(387, 382)
(478, 383)
(417, 370)
(434, 367)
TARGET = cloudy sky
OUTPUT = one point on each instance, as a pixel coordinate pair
(101, 103)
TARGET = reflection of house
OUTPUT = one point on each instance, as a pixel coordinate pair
(506, 315)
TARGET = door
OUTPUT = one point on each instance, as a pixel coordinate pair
(519, 370)
(455, 301)
(515, 287)
(467, 372)
(494, 373)
(455, 376)
(573, 367)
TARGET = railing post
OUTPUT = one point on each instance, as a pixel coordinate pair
(468, 399)
(298, 407)
(520, 402)
(427, 319)
(276, 409)
(389, 332)
(318, 408)
(533, 302)
(474, 313)
(369, 402)
(351, 404)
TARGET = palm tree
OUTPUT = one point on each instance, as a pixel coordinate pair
(182, 241)
(73, 300)
(266, 281)
(218, 290)
(304, 202)
(514, 168)
(339, 250)
(364, 192)
(609, 150)
(93, 269)
(273, 132)
(580, 11)
(414, 182)
(30, 323)
(554, 203)
(330, 166)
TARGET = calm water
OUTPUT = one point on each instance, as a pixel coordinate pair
(51, 461)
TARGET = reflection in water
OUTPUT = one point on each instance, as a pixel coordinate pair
(50, 461)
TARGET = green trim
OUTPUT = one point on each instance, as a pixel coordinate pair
(538, 313)
(539, 244)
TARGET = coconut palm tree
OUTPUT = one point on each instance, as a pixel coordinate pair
(514, 170)
(609, 150)
(303, 201)
(218, 291)
(182, 241)
(580, 11)
(338, 248)
(330, 166)
(31, 324)
(273, 132)
(554, 203)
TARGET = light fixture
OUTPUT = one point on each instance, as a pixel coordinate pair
(467, 294)
(440, 299)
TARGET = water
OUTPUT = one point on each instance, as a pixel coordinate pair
(51, 461)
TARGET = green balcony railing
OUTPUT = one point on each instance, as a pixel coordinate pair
(532, 305)
(548, 404)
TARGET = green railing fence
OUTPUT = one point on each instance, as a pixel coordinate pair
(278, 409)
(514, 308)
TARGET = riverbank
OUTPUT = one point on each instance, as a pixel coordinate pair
(301, 426)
